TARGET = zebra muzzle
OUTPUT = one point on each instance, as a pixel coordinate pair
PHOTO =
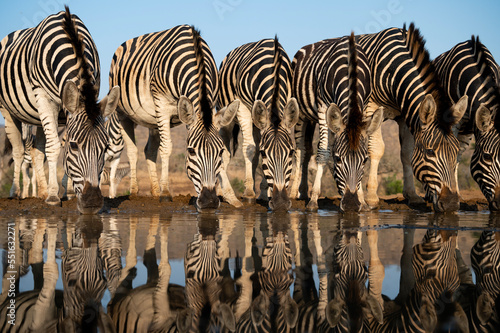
(280, 200)
(207, 199)
(350, 201)
(91, 200)
(495, 202)
(447, 201)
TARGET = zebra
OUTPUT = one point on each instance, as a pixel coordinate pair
(430, 301)
(332, 83)
(259, 75)
(37, 309)
(113, 153)
(272, 309)
(405, 82)
(481, 299)
(54, 69)
(319, 314)
(468, 69)
(157, 306)
(203, 268)
(168, 78)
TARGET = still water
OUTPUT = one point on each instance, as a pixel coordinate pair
(250, 271)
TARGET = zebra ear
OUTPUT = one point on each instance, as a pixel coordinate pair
(184, 320)
(258, 308)
(185, 110)
(334, 311)
(427, 314)
(459, 109)
(483, 118)
(108, 104)
(260, 115)
(484, 307)
(334, 119)
(291, 312)
(291, 113)
(70, 96)
(373, 306)
(227, 317)
(225, 116)
(461, 318)
(427, 110)
(376, 121)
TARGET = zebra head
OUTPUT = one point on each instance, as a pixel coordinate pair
(350, 152)
(87, 141)
(277, 148)
(204, 149)
(351, 302)
(434, 159)
(485, 161)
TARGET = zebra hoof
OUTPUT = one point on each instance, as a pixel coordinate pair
(249, 200)
(312, 206)
(166, 198)
(53, 200)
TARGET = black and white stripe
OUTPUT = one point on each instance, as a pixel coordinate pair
(259, 75)
(332, 83)
(167, 78)
(468, 69)
(47, 71)
(405, 83)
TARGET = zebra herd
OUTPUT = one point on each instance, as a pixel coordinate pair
(348, 86)
(249, 291)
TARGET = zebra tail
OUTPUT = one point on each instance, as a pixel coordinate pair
(236, 132)
(355, 118)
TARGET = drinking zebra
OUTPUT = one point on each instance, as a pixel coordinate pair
(332, 83)
(405, 82)
(468, 69)
(203, 268)
(168, 78)
(429, 305)
(54, 69)
(259, 75)
(270, 307)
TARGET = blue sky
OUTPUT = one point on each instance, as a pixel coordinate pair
(226, 24)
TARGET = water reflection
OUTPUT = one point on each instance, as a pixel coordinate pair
(250, 271)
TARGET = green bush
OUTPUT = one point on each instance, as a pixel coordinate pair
(393, 185)
(238, 185)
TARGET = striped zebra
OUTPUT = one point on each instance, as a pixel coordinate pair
(168, 78)
(468, 69)
(271, 308)
(259, 75)
(37, 310)
(113, 153)
(203, 268)
(429, 305)
(156, 306)
(54, 68)
(332, 83)
(482, 305)
(404, 81)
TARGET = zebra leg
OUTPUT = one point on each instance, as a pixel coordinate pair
(38, 159)
(25, 167)
(164, 112)
(13, 132)
(48, 111)
(129, 138)
(376, 149)
(249, 150)
(407, 145)
(151, 153)
(225, 185)
(376, 271)
(298, 157)
(321, 159)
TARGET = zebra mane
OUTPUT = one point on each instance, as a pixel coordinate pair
(415, 44)
(275, 116)
(205, 109)
(480, 56)
(355, 117)
(88, 92)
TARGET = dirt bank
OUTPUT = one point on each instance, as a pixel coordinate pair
(185, 203)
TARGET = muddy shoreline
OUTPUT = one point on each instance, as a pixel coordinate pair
(185, 203)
